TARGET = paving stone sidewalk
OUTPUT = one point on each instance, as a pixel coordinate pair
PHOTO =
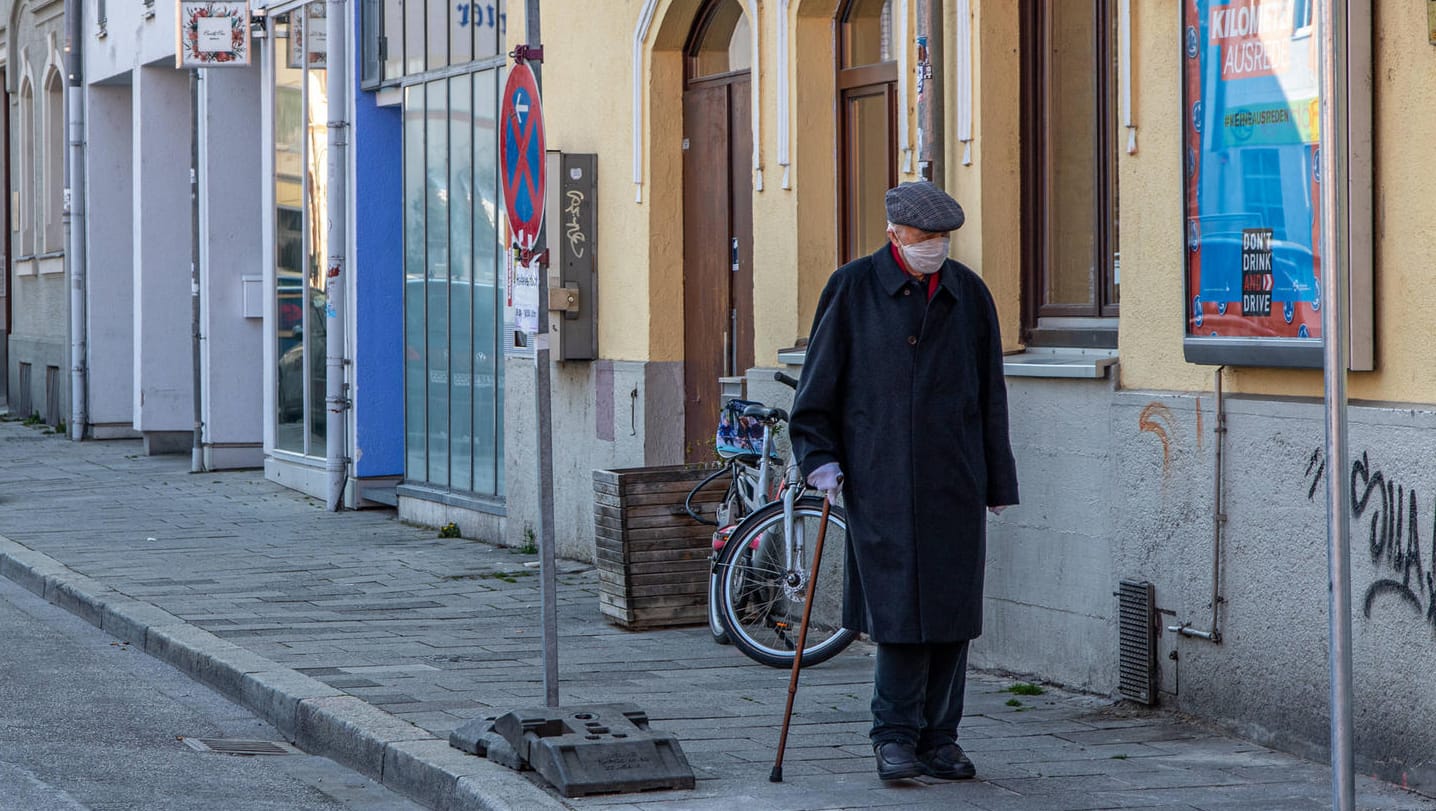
(370, 640)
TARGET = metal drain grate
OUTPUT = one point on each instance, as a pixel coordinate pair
(227, 746)
(1138, 644)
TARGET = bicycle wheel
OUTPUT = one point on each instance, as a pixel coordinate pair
(763, 587)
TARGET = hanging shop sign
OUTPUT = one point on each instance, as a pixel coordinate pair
(1252, 102)
(308, 37)
(213, 33)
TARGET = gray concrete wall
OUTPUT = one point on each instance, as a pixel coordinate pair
(1268, 679)
(110, 281)
(1049, 605)
(597, 424)
(164, 382)
(131, 38)
(39, 354)
(1121, 485)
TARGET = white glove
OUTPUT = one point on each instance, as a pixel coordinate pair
(828, 478)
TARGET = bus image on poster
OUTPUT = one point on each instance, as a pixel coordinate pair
(1251, 98)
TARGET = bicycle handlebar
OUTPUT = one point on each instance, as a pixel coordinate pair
(786, 379)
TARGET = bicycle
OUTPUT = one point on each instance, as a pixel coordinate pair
(762, 563)
(751, 484)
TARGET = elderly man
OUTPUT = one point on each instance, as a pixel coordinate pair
(903, 409)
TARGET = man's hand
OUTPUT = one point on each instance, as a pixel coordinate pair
(998, 509)
(828, 478)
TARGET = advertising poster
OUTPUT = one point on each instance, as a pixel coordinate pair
(1251, 98)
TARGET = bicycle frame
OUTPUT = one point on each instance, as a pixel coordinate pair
(752, 484)
(792, 489)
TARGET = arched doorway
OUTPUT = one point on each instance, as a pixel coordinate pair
(717, 215)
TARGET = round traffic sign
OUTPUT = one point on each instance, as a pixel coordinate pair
(521, 152)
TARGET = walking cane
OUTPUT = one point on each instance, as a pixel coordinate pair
(776, 776)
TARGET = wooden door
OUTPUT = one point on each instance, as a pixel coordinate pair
(717, 250)
(867, 142)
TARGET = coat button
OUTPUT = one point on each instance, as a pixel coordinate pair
(912, 340)
(907, 291)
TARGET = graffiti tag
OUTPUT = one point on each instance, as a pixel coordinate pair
(1391, 510)
(480, 15)
(573, 228)
(1151, 421)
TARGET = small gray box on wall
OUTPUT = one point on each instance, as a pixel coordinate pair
(571, 225)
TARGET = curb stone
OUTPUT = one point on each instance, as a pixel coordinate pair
(320, 719)
(130, 619)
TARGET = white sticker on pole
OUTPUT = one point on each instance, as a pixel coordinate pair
(526, 297)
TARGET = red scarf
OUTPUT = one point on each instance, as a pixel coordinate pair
(902, 263)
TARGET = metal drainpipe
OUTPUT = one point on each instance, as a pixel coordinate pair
(336, 463)
(75, 221)
(931, 132)
(1219, 520)
(196, 463)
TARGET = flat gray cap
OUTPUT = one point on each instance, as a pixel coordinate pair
(923, 206)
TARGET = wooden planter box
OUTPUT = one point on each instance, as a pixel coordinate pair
(653, 559)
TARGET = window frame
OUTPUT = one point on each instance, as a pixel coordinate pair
(24, 181)
(1087, 325)
(373, 43)
(429, 463)
(51, 167)
(854, 81)
(698, 35)
(382, 48)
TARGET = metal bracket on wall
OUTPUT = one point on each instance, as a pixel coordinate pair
(564, 298)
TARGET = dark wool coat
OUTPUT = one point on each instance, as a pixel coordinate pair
(908, 396)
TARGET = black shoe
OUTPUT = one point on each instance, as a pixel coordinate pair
(948, 762)
(896, 760)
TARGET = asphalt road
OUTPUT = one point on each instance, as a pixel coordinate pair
(88, 723)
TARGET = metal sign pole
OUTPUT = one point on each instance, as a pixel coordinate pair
(542, 388)
(579, 750)
(1334, 328)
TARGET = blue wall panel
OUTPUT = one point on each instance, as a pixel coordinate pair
(379, 310)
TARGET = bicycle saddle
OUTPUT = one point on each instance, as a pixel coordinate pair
(766, 414)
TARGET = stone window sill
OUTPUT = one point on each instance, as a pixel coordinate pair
(1089, 364)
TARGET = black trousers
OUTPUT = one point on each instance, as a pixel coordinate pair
(918, 693)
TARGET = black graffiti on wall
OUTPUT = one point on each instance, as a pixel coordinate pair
(1391, 511)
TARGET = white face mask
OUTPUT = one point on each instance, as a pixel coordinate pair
(926, 257)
